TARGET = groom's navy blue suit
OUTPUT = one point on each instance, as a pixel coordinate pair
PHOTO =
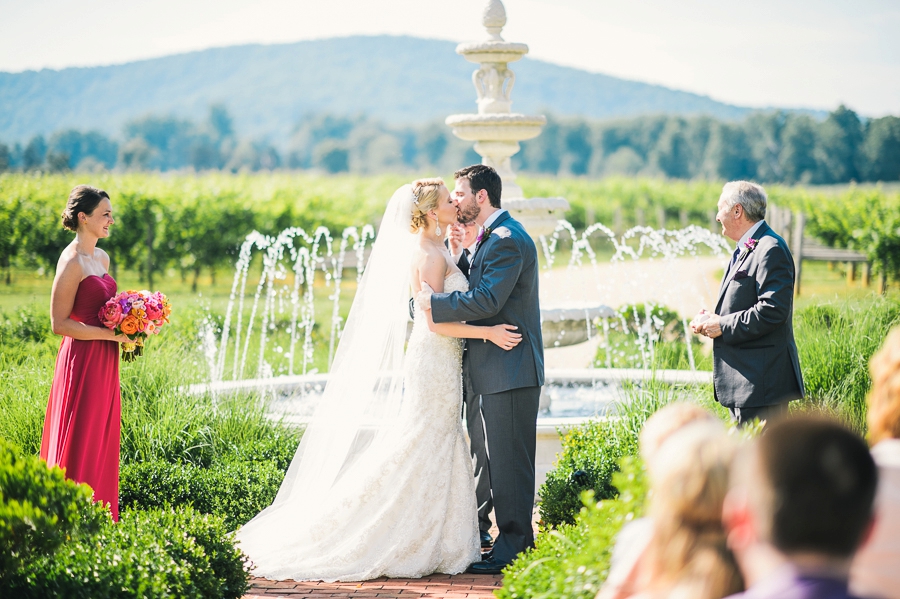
(503, 288)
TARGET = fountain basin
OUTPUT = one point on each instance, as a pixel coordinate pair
(576, 393)
(567, 326)
(492, 51)
(486, 128)
(577, 396)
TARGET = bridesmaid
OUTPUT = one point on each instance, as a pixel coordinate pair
(81, 429)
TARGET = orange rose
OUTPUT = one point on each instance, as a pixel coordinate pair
(130, 325)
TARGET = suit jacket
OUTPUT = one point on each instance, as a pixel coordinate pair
(755, 360)
(503, 288)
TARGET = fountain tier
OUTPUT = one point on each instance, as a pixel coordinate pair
(495, 129)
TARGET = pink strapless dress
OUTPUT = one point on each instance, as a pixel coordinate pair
(83, 422)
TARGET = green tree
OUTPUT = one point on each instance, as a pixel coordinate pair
(78, 145)
(672, 155)
(881, 149)
(840, 138)
(333, 156)
(729, 155)
(577, 143)
(168, 139)
(34, 153)
(766, 132)
(798, 146)
(5, 158)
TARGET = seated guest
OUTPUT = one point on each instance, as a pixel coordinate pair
(876, 567)
(634, 537)
(687, 555)
(799, 508)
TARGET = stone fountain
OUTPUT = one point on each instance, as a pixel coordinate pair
(495, 129)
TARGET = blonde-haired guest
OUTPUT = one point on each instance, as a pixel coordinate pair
(625, 576)
(875, 571)
(687, 556)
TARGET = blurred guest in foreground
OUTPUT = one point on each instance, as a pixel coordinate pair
(876, 568)
(800, 507)
(632, 540)
(687, 555)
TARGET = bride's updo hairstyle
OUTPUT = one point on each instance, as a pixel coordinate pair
(426, 194)
(82, 198)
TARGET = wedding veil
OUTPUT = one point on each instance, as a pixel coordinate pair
(364, 392)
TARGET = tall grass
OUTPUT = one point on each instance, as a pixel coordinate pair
(160, 419)
(835, 341)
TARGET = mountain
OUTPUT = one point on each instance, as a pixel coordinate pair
(267, 88)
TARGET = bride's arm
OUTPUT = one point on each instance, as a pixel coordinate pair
(432, 270)
(501, 335)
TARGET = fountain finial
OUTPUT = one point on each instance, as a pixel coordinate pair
(494, 19)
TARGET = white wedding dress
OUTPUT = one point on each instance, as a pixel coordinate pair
(404, 506)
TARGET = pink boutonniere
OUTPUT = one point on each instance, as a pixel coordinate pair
(749, 246)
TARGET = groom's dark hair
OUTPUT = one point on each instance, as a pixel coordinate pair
(481, 176)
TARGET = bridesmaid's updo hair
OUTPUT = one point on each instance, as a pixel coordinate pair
(426, 194)
(83, 198)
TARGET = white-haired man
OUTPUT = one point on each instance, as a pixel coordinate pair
(756, 368)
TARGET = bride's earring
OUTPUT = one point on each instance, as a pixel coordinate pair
(437, 228)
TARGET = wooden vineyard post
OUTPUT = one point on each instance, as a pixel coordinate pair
(799, 224)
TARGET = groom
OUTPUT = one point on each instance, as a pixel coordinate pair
(503, 288)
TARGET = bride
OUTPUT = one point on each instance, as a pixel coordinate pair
(382, 482)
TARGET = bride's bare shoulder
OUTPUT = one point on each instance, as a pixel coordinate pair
(429, 259)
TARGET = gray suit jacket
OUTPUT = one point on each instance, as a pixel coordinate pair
(503, 288)
(755, 361)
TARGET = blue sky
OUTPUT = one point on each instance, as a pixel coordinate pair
(760, 53)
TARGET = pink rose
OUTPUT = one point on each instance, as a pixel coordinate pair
(111, 315)
(153, 311)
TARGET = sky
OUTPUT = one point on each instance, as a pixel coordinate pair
(760, 53)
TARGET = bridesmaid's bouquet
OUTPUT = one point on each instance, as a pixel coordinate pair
(137, 315)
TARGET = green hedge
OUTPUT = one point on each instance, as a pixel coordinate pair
(590, 456)
(592, 451)
(234, 491)
(55, 542)
(572, 561)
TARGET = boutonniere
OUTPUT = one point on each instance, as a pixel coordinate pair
(502, 232)
(749, 246)
(483, 235)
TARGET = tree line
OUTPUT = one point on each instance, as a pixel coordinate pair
(771, 147)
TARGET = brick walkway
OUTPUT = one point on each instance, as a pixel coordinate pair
(461, 586)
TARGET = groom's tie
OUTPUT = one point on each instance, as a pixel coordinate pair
(463, 262)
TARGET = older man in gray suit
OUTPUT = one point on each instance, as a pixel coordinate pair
(756, 369)
(503, 288)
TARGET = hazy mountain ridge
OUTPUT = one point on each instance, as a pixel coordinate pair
(268, 88)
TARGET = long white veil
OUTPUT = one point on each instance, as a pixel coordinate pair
(364, 392)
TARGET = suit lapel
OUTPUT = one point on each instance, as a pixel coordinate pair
(743, 257)
(500, 219)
